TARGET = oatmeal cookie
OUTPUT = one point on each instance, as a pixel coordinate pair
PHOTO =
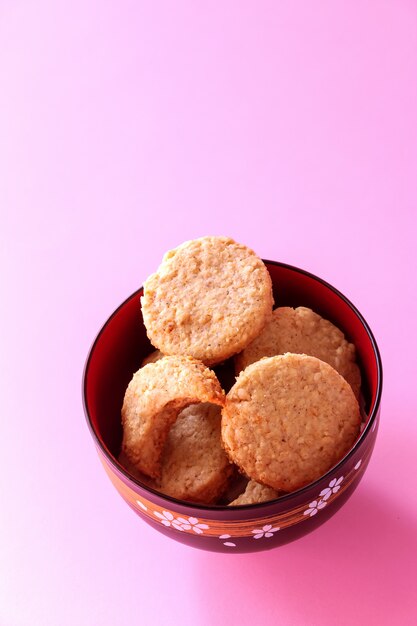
(288, 419)
(154, 398)
(302, 331)
(209, 298)
(194, 465)
(255, 493)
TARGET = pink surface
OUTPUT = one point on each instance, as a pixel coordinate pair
(126, 128)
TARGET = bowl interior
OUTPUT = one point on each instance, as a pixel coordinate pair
(122, 344)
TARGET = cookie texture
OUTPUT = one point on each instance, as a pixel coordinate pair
(303, 331)
(209, 299)
(194, 465)
(254, 494)
(288, 419)
(154, 398)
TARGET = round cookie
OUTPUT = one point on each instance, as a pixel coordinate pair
(209, 298)
(194, 465)
(154, 398)
(302, 331)
(288, 419)
(254, 494)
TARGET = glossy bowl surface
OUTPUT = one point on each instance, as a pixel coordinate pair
(117, 353)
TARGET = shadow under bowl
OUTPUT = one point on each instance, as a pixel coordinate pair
(117, 353)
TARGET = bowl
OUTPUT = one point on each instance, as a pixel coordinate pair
(117, 353)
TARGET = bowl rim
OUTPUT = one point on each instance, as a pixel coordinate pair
(242, 507)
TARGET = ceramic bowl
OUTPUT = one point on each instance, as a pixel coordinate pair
(117, 353)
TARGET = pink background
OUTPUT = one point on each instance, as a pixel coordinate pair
(126, 128)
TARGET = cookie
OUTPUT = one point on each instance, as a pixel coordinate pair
(255, 493)
(209, 299)
(154, 398)
(194, 465)
(302, 331)
(288, 419)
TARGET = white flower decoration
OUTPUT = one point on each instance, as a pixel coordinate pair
(142, 506)
(314, 507)
(265, 531)
(229, 544)
(167, 519)
(334, 486)
(358, 464)
(180, 523)
(192, 523)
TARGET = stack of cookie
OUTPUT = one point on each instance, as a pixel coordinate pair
(292, 412)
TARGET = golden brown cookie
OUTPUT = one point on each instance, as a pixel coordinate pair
(154, 398)
(194, 465)
(288, 419)
(302, 331)
(209, 298)
(255, 493)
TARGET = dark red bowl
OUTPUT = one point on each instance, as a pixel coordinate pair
(117, 353)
